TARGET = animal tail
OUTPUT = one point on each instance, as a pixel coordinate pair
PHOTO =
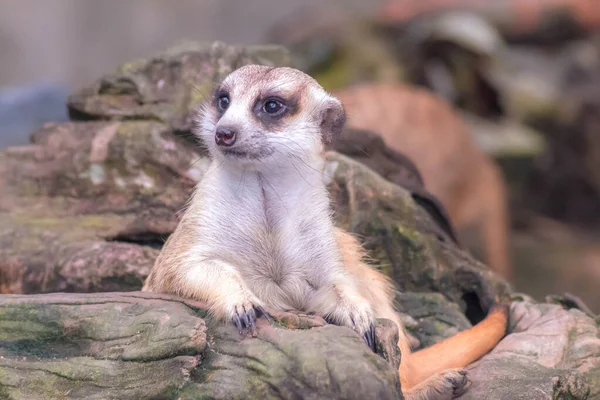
(457, 351)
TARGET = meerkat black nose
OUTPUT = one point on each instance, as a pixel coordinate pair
(225, 136)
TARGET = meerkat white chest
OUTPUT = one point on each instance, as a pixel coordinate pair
(271, 229)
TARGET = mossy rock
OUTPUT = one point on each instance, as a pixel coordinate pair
(69, 346)
(86, 207)
(141, 345)
(168, 87)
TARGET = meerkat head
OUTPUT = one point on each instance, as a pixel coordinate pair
(261, 116)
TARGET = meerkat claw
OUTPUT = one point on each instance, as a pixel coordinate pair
(244, 320)
(237, 322)
(261, 311)
(370, 338)
(248, 320)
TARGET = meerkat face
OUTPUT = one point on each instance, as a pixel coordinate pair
(260, 116)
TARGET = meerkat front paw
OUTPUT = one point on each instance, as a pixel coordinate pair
(356, 313)
(370, 337)
(360, 318)
(244, 315)
(244, 311)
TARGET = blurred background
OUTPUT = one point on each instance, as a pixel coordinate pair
(523, 76)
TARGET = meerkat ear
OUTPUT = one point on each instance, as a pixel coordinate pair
(333, 119)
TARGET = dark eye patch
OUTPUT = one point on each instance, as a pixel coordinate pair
(270, 108)
(221, 100)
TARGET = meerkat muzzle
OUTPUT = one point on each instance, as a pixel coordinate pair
(225, 136)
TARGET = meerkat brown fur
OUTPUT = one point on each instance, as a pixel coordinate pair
(258, 231)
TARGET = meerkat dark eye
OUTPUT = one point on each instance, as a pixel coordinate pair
(274, 107)
(223, 102)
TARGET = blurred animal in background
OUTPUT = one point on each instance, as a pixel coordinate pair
(425, 129)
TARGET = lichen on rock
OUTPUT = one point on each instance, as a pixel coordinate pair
(170, 86)
(87, 206)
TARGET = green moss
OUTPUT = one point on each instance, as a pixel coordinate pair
(45, 222)
(336, 76)
(136, 129)
(385, 265)
(293, 323)
(4, 394)
(26, 330)
(28, 326)
(151, 171)
(531, 107)
(199, 92)
(131, 67)
(28, 188)
(411, 236)
(95, 221)
(66, 224)
(572, 335)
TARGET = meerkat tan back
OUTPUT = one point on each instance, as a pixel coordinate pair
(258, 232)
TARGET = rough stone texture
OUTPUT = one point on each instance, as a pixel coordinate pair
(59, 346)
(87, 205)
(430, 318)
(101, 194)
(75, 200)
(517, 19)
(404, 239)
(368, 148)
(69, 346)
(551, 353)
(169, 87)
(103, 191)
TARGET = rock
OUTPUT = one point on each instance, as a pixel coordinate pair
(169, 87)
(518, 20)
(335, 47)
(505, 138)
(68, 346)
(61, 345)
(551, 353)
(369, 149)
(89, 203)
(566, 182)
(430, 318)
(86, 207)
(404, 239)
(83, 206)
(107, 191)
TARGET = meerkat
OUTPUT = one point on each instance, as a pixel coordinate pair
(424, 128)
(258, 232)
